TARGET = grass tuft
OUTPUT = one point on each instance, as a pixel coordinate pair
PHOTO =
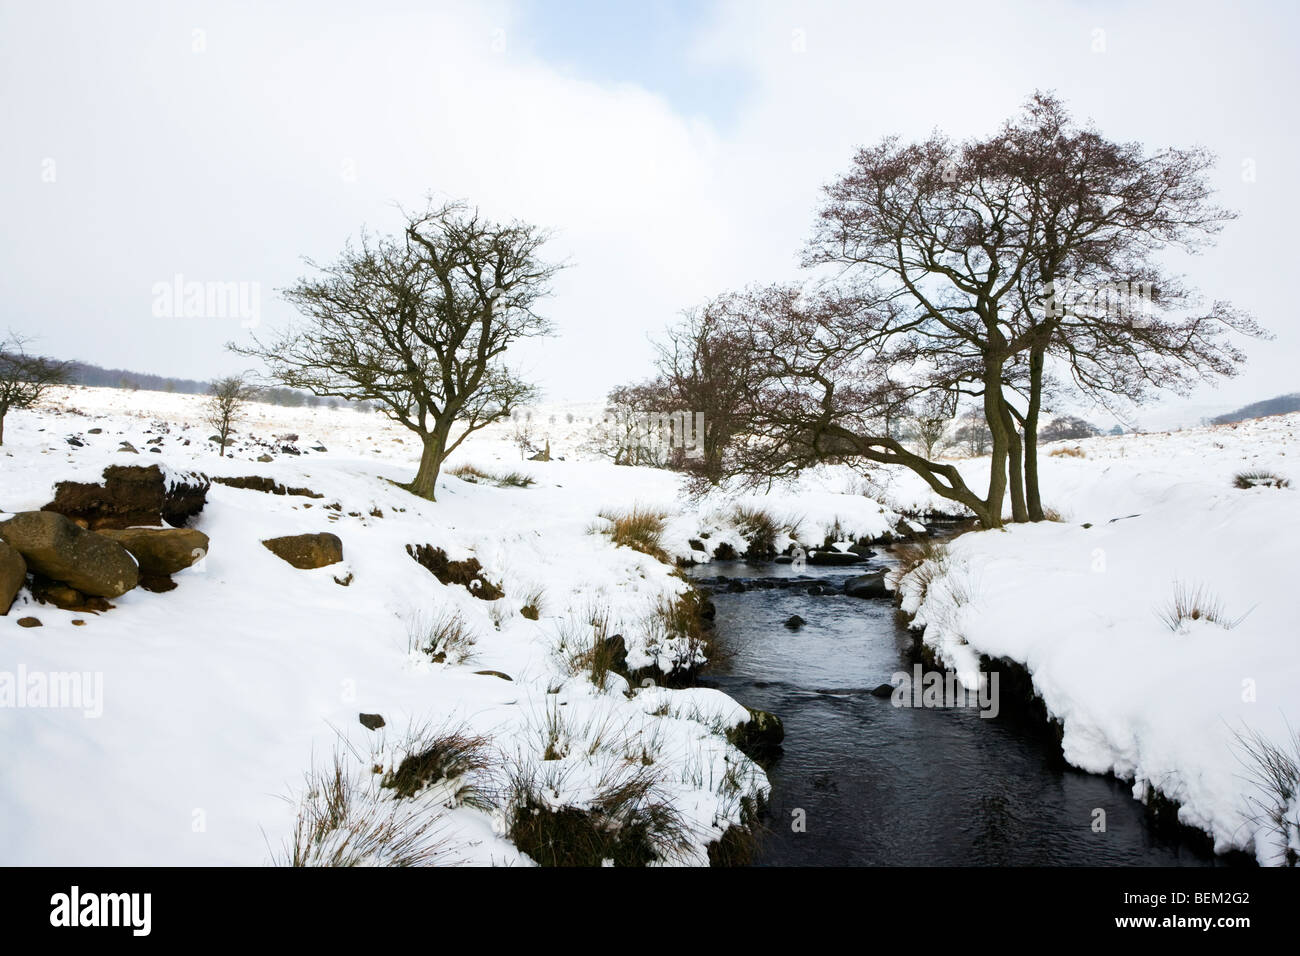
(640, 529)
(1260, 479)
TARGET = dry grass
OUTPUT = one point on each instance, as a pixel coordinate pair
(1052, 514)
(586, 647)
(444, 638)
(534, 603)
(474, 475)
(450, 754)
(1195, 603)
(1276, 769)
(344, 821)
(640, 529)
(924, 559)
(1071, 452)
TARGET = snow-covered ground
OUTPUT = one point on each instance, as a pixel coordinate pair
(219, 695)
(1081, 603)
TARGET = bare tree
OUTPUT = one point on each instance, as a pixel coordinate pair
(973, 433)
(419, 325)
(1067, 428)
(930, 421)
(700, 365)
(631, 432)
(25, 378)
(522, 437)
(227, 398)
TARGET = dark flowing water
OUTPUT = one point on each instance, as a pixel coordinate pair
(886, 785)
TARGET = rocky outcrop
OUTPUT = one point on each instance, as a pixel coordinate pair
(307, 551)
(262, 483)
(130, 495)
(468, 572)
(13, 572)
(58, 549)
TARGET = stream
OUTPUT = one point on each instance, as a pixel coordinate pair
(884, 785)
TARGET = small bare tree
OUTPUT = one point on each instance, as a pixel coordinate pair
(227, 398)
(419, 325)
(522, 436)
(24, 378)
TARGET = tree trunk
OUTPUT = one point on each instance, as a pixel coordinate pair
(425, 482)
(994, 414)
(1014, 468)
(4, 410)
(1033, 500)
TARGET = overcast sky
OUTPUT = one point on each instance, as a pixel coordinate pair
(677, 149)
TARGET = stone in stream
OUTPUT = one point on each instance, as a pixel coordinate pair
(883, 690)
(795, 622)
(867, 586)
(834, 558)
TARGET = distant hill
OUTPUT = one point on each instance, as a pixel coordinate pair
(87, 373)
(1270, 406)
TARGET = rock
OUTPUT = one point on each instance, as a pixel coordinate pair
(834, 558)
(55, 547)
(760, 737)
(530, 611)
(468, 573)
(94, 431)
(130, 495)
(13, 572)
(867, 586)
(78, 622)
(161, 551)
(289, 450)
(795, 622)
(372, 721)
(126, 446)
(156, 451)
(862, 551)
(29, 622)
(265, 457)
(307, 551)
(883, 690)
(495, 674)
(736, 587)
(696, 544)
(317, 447)
(74, 441)
(344, 581)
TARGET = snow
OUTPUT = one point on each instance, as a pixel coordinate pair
(1082, 607)
(220, 695)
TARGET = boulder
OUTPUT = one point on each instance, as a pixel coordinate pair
(13, 572)
(29, 622)
(56, 548)
(307, 551)
(883, 690)
(867, 586)
(834, 558)
(161, 551)
(795, 622)
(130, 495)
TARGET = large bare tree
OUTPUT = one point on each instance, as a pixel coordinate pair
(419, 325)
(949, 261)
(24, 378)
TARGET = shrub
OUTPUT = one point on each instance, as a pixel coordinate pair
(630, 820)
(1260, 479)
(454, 755)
